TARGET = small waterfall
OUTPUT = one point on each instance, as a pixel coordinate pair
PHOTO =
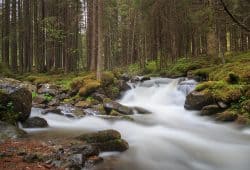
(170, 138)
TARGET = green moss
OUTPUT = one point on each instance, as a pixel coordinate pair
(221, 90)
(107, 100)
(133, 69)
(101, 109)
(203, 73)
(76, 82)
(203, 86)
(107, 78)
(89, 87)
(150, 68)
(48, 97)
(91, 100)
(34, 94)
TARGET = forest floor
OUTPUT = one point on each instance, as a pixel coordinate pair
(15, 155)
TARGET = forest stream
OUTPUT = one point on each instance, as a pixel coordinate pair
(171, 138)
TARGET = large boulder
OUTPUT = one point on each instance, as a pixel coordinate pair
(197, 100)
(35, 122)
(106, 141)
(14, 98)
(8, 131)
(117, 107)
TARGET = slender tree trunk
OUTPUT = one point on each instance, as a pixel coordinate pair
(13, 37)
(100, 56)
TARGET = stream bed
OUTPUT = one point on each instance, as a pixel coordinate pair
(171, 138)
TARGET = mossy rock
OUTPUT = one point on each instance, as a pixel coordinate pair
(227, 116)
(89, 87)
(8, 131)
(77, 83)
(210, 110)
(15, 101)
(107, 78)
(83, 104)
(221, 90)
(243, 119)
(107, 100)
(100, 137)
(197, 100)
(202, 73)
(115, 113)
(100, 109)
(117, 145)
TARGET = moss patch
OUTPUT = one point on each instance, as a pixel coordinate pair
(221, 90)
(89, 87)
(107, 78)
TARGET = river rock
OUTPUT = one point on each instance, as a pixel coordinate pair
(85, 150)
(118, 145)
(137, 79)
(50, 89)
(226, 116)
(54, 102)
(222, 105)
(92, 161)
(75, 162)
(197, 100)
(123, 86)
(117, 107)
(210, 110)
(8, 131)
(12, 93)
(101, 136)
(35, 122)
(125, 77)
(83, 104)
(39, 100)
(31, 158)
(99, 96)
(106, 141)
(140, 110)
(52, 110)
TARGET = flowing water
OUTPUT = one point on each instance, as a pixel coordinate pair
(171, 138)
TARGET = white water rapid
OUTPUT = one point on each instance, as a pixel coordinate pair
(171, 138)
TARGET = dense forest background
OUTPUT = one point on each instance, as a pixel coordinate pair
(96, 35)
